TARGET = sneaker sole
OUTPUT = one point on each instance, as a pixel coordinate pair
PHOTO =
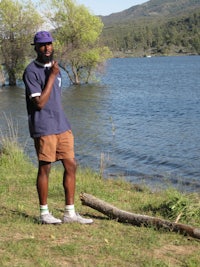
(78, 222)
(50, 223)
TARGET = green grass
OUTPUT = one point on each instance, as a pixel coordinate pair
(24, 242)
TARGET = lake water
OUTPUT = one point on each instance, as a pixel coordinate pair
(141, 122)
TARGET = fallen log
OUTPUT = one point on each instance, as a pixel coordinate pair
(137, 219)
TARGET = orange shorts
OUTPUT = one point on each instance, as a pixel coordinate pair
(55, 147)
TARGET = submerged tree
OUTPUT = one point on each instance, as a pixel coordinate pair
(18, 23)
(77, 40)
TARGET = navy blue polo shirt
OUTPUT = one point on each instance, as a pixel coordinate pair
(51, 118)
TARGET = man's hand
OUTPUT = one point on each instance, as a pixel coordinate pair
(55, 68)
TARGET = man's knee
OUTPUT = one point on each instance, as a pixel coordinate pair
(70, 165)
(44, 167)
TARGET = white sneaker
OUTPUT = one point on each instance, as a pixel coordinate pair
(49, 219)
(76, 218)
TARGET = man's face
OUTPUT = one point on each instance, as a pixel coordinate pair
(45, 52)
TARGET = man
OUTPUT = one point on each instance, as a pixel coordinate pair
(50, 128)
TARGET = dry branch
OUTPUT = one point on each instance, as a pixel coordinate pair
(137, 219)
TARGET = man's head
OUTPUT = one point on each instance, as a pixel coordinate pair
(43, 46)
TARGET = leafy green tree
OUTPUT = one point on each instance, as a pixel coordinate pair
(18, 23)
(196, 42)
(149, 36)
(77, 40)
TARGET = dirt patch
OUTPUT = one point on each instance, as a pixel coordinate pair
(173, 253)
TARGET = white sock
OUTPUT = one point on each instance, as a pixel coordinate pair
(44, 209)
(70, 210)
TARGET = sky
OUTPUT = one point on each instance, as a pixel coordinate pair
(106, 7)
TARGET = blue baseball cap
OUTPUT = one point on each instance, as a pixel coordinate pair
(42, 37)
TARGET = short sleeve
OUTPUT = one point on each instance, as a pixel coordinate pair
(33, 86)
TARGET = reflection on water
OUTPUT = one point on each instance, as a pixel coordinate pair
(142, 121)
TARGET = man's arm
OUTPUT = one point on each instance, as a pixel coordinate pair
(41, 100)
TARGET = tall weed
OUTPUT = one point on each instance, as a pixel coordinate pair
(9, 144)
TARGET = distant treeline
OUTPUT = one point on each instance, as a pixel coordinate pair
(155, 36)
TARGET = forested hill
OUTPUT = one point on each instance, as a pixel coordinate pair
(155, 27)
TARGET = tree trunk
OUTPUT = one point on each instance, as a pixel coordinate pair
(2, 78)
(76, 76)
(137, 219)
(11, 78)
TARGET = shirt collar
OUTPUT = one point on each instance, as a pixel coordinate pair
(47, 65)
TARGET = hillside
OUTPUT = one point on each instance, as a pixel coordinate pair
(165, 27)
(154, 9)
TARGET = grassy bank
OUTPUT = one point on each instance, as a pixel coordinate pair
(24, 242)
